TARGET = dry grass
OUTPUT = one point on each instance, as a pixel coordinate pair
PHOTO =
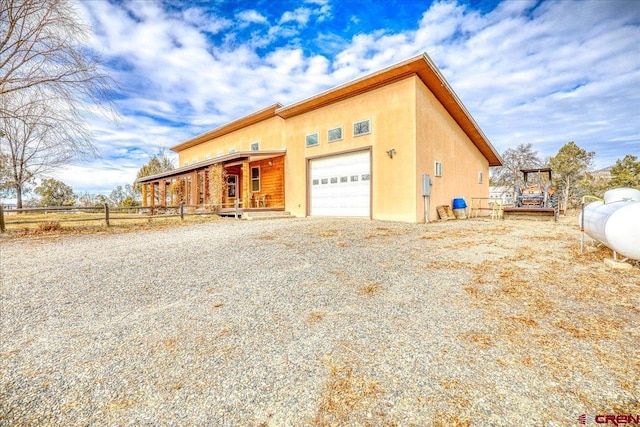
(348, 397)
(49, 226)
(541, 300)
(67, 225)
(369, 289)
(315, 317)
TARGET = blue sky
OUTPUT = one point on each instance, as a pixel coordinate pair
(540, 72)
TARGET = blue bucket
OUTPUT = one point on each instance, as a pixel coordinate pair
(459, 203)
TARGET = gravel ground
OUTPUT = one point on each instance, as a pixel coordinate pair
(317, 322)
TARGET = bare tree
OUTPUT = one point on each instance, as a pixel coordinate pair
(522, 157)
(38, 138)
(48, 81)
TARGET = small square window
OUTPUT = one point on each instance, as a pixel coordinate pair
(344, 179)
(366, 177)
(316, 181)
(334, 134)
(354, 178)
(255, 146)
(334, 180)
(232, 151)
(438, 169)
(361, 128)
(324, 180)
(312, 140)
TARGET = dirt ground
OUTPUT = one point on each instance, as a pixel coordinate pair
(323, 322)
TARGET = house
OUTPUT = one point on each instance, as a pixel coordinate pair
(360, 149)
(502, 193)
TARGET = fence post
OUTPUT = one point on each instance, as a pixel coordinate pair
(2, 229)
(106, 213)
(181, 211)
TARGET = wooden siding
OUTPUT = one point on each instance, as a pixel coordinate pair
(271, 181)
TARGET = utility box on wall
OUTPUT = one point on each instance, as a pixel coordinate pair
(426, 184)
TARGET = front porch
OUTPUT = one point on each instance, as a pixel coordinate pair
(245, 181)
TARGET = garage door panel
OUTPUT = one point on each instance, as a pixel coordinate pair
(340, 185)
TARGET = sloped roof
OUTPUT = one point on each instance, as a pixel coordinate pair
(250, 119)
(420, 65)
(426, 70)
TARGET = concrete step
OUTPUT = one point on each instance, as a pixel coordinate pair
(266, 215)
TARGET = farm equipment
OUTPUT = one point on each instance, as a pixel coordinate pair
(536, 192)
(537, 197)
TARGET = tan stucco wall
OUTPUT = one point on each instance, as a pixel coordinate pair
(267, 132)
(405, 116)
(439, 138)
(391, 110)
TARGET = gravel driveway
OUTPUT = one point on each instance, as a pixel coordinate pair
(317, 322)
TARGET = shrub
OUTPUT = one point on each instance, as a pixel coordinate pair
(49, 226)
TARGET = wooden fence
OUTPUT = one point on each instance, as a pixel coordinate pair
(111, 213)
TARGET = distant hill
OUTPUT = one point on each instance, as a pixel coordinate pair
(602, 173)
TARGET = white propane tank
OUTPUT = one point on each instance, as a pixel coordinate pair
(616, 222)
(618, 194)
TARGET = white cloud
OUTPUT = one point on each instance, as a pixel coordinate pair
(252, 16)
(300, 16)
(548, 74)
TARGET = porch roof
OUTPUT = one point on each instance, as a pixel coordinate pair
(238, 156)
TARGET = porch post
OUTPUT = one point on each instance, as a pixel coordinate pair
(144, 195)
(163, 193)
(246, 185)
(195, 188)
(152, 193)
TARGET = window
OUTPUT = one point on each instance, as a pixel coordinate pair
(361, 128)
(316, 181)
(312, 140)
(334, 180)
(232, 151)
(255, 146)
(366, 177)
(479, 177)
(324, 180)
(334, 134)
(255, 178)
(354, 178)
(438, 167)
(232, 185)
(344, 179)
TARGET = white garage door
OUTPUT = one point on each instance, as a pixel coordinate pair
(341, 185)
